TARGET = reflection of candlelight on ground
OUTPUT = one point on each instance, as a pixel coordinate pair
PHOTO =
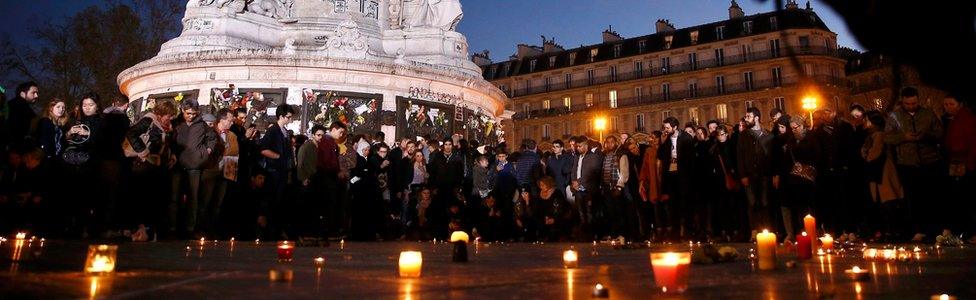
(821, 252)
(410, 264)
(406, 288)
(18, 248)
(93, 288)
(570, 259)
(671, 270)
(569, 283)
(202, 241)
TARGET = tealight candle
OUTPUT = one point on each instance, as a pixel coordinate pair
(671, 270)
(410, 264)
(600, 291)
(101, 259)
(460, 241)
(942, 297)
(828, 242)
(20, 236)
(285, 251)
(570, 259)
(856, 273)
(319, 262)
(766, 249)
(804, 246)
(821, 252)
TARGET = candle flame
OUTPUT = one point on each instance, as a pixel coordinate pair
(21, 235)
(804, 233)
(944, 297)
(856, 269)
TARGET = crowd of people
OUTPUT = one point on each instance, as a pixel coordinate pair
(178, 172)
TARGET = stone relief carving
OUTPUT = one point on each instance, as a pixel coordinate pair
(197, 24)
(440, 14)
(340, 6)
(346, 42)
(396, 13)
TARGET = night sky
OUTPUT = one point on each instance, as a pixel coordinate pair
(498, 25)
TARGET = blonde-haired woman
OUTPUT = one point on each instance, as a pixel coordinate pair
(50, 128)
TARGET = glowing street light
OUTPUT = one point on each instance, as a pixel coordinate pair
(600, 124)
(809, 104)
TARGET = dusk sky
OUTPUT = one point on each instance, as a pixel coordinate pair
(498, 25)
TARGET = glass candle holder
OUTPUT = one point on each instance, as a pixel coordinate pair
(285, 251)
(101, 259)
(570, 259)
(671, 270)
(410, 264)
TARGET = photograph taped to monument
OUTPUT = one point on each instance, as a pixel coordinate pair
(360, 112)
(418, 118)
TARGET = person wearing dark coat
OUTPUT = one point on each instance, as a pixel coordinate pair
(110, 163)
(677, 157)
(559, 165)
(753, 154)
(834, 183)
(586, 176)
(446, 174)
(551, 212)
(275, 150)
(193, 142)
(21, 113)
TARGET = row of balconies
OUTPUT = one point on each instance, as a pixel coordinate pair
(672, 69)
(678, 95)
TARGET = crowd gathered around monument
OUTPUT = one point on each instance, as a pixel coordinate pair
(180, 170)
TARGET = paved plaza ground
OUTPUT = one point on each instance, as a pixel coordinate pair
(171, 270)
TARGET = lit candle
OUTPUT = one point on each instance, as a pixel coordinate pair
(766, 249)
(410, 264)
(202, 241)
(942, 297)
(459, 236)
(828, 242)
(821, 252)
(870, 253)
(21, 236)
(600, 291)
(810, 225)
(460, 241)
(319, 262)
(570, 259)
(856, 273)
(889, 254)
(671, 270)
(285, 251)
(804, 248)
(101, 259)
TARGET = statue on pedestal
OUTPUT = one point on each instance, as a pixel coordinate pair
(440, 14)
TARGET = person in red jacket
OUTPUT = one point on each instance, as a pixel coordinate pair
(960, 145)
(327, 177)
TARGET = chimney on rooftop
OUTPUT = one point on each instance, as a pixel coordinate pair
(527, 50)
(735, 11)
(550, 45)
(664, 25)
(481, 59)
(611, 36)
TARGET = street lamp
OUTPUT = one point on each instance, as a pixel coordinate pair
(600, 124)
(810, 104)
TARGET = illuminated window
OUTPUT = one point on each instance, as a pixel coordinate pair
(613, 98)
(721, 111)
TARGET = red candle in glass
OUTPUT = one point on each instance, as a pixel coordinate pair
(804, 248)
(671, 271)
(285, 251)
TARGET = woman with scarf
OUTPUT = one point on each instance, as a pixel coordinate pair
(363, 195)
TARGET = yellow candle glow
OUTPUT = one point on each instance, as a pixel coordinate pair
(889, 254)
(319, 262)
(766, 244)
(459, 236)
(671, 271)
(570, 259)
(827, 241)
(101, 259)
(410, 264)
(21, 236)
(870, 253)
(810, 225)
